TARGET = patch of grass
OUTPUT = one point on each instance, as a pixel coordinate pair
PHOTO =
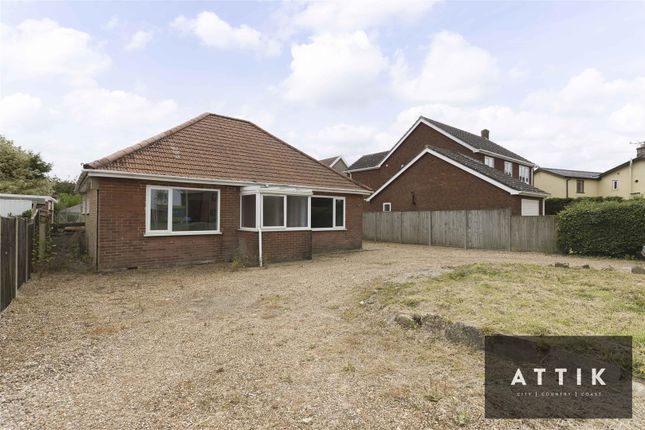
(525, 299)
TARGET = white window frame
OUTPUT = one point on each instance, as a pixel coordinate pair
(508, 168)
(528, 171)
(389, 205)
(259, 208)
(489, 161)
(168, 231)
(614, 184)
(344, 226)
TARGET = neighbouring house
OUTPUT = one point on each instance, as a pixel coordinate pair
(435, 166)
(17, 204)
(337, 163)
(627, 180)
(216, 189)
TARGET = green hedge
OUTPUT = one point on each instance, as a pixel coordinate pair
(555, 205)
(613, 228)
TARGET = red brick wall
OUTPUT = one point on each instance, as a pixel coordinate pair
(410, 148)
(122, 244)
(438, 185)
(351, 237)
(286, 245)
(121, 218)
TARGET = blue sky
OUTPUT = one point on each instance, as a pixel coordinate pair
(561, 83)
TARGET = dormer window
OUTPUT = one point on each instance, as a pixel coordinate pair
(525, 174)
(489, 161)
(508, 168)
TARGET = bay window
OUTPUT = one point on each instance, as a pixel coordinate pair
(171, 210)
(291, 212)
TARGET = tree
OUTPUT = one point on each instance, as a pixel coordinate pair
(22, 171)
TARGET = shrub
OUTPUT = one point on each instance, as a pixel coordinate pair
(613, 228)
(555, 205)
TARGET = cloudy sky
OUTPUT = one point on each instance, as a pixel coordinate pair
(561, 83)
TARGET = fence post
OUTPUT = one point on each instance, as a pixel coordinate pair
(510, 229)
(429, 228)
(17, 252)
(466, 230)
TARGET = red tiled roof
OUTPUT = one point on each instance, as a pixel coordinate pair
(216, 147)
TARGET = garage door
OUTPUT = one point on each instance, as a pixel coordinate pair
(530, 207)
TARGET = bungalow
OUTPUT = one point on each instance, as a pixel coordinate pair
(435, 166)
(214, 189)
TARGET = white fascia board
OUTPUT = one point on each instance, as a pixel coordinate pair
(193, 180)
(456, 164)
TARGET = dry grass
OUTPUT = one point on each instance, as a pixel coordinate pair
(527, 299)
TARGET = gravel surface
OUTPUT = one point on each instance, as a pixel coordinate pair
(279, 347)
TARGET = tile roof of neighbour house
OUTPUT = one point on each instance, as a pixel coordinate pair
(476, 141)
(497, 176)
(369, 160)
(580, 174)
(215, 147)
(488, 171)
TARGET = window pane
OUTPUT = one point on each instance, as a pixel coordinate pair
(340, 213)
(248, 211)
(158, 209)
(194, 210)
(297, 211)
(273, 211)
(322, 212)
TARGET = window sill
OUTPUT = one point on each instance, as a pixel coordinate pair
(330, 229)
(182, 233)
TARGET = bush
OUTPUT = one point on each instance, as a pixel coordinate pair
(555, 205)
(612, 228)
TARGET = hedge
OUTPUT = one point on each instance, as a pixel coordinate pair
(555, 205)
(612, 228)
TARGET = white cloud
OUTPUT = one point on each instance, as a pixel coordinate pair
(214, 32)
(43, 48)
(587, 124)
(19, 111)
(350, 15)
(453, 71)
(335, 70)
(139, 40)
(113, 23)
(346, 139)
(103, 108)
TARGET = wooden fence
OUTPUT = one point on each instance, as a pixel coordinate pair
(16, 255)
(479, 229)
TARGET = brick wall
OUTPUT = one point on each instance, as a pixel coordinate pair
(121, 217)
(286, 245)
(449, 188)
(351, 237)
(122, 243)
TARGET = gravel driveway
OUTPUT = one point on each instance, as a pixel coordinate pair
(204, 347)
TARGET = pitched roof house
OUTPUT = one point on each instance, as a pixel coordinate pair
(627, 180)
(216, 188)
(337, 163)
(435, 166)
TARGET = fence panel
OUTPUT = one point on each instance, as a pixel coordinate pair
(534, 233)
(16, 245)
(7, 260)
(449, 228)
(489, 229)
(481, 229)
